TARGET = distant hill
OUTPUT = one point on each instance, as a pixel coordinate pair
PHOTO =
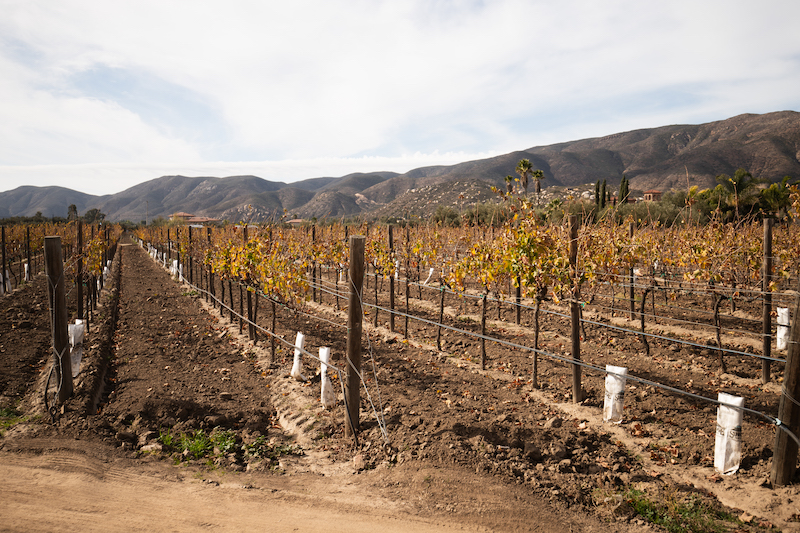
(664, 158)
(49, 201)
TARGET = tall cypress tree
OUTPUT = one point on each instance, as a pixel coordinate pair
(623, 189)
(603, 195)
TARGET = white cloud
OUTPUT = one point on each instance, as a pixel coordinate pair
(187, 83)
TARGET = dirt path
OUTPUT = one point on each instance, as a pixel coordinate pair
(177, 369)
(67, 490)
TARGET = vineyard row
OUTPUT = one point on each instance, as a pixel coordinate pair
(207, 285)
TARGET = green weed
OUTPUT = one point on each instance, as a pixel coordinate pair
(9, 417)
(220, 442)
(687, 514)
(166, 438)
(196, 445)
(224, 440)
(261, 449)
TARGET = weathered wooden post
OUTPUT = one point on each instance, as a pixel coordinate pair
(58, 313)
(79, 270)
(631, 277)
(441, 316)
(191, 258)
(391, 280)
(274, 333)
(575, 310)
(28, 253)
(314, 266)
(408, 274)
(355, 317)
(93, 288)
(3, 244)
(211, 290)
(767, 309)
(784, 460)
(483, 330)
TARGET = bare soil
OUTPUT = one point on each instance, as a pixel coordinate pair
(464, 448)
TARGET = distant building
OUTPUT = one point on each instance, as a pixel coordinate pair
(180, 216)
(629, 200)
(652, 196)
(189, 218)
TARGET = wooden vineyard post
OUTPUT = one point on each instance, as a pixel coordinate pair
(483, 331)
(250, 328)
(784, 459)
(631, 293)
(355, 317)
(767, 310)
(274, 333)
(408, 240)
(178, 253)
(3, 274)
(241, 308)
(518, 297)
(191, 259)
(255, 317)
(377, 303)
(93, 287)
(241, 295)
(575, 310)
(28, 252)
(211, 290)
(314, 267)
(391, 281)
(230, 295)
(79, 271)
(58, 313)
(441, 317)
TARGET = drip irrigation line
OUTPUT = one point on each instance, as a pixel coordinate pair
(671, 339)
(690, 322)
(567, 360)
(591, 322)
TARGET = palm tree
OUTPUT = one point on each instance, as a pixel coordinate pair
(509, 184)
(739, 189)
(524, 170)
(538, 176)
(775, 199)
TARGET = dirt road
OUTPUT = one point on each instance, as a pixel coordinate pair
(68, 491)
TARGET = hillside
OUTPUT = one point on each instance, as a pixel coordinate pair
(49, 201)
(661, 158)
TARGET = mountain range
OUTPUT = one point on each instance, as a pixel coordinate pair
(663, 158)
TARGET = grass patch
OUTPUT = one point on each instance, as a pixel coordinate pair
(220, 442)
(9, 416)
(261, 449)
(679, 512)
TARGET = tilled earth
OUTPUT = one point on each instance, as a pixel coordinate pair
(481, 447)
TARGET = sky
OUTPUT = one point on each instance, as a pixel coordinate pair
(99, 96)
